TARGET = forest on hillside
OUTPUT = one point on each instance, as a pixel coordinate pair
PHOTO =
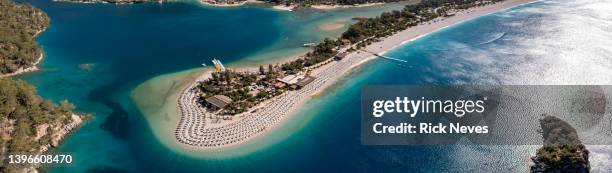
(19, 24)
(27, 121)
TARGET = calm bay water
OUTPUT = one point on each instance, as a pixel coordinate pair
(130, 44)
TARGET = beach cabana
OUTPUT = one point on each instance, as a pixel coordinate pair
(341, 56)
(305, 81)
(219, 101)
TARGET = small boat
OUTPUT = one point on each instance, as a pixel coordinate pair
(309, 44)
(203, 65)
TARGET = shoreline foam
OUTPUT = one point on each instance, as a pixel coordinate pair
(326, 75)
(284, 7)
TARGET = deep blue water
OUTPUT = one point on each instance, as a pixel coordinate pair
(127, 47)
(141, 40)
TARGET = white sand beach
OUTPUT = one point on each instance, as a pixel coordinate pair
(32, 68)
(284, 7)
(194, 129)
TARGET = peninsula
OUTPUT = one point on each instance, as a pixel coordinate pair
(19, 26)
(28, 123)
(228, 107)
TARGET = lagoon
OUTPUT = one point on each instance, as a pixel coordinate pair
(153, 47)
(125, 45)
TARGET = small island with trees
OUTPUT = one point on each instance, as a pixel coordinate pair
(562, 150)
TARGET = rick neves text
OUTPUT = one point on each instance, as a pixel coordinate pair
(428, 128)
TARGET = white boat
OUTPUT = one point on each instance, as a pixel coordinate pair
(309, 44)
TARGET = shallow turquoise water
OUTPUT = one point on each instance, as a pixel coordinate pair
(130, 44)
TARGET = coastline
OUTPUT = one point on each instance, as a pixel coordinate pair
(326, 75)
(156, 97)
(119, 2)
(63, 132)
(330, 7)
(34, 66)
(284, 7)
(215, 4)
(325, 7)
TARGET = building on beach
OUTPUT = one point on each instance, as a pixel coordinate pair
(291, 79)
(296, 81)
(341, 56)
(219, 101)
(305, 81)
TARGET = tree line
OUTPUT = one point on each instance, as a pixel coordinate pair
(369, 30)
(307, 3)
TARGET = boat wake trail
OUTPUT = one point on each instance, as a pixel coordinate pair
(453, 45)
(497, 37)
(386, 57)
(393, 59)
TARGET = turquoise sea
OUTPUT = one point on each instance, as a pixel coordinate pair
(537, 43)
